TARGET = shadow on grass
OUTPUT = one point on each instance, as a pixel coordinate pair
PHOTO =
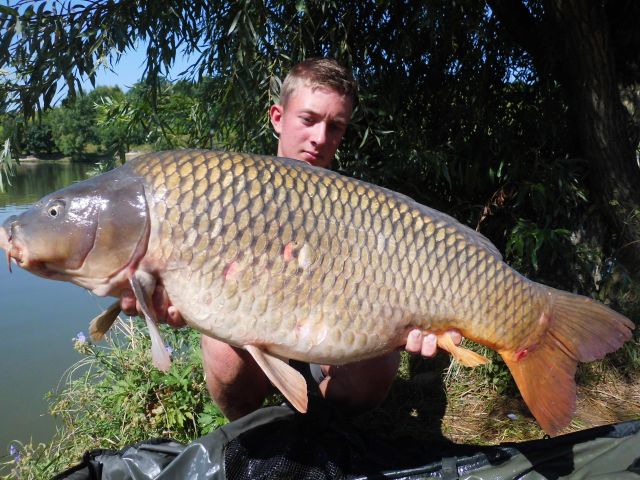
(409, 422)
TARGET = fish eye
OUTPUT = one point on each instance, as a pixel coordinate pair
(55, 209)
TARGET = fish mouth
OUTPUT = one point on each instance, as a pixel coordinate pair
(8, 242)
(4, 239)
(19, 255)
(15, 253)
(5, 244)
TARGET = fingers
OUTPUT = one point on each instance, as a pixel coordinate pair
(414, 341)
(429, 345)
(166, 312)
(160, 303)
(161, 306)
(426, 343)
(419, 343)
(455, 335)
(128, 302)
(174, 318)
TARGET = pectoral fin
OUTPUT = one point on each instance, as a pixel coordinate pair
(465, 356)
(286, 379)
(102, 323)
(143, 285)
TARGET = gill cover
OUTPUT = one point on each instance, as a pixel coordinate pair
(85, 233)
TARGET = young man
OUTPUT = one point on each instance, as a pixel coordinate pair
(310, 119)
(315, 106)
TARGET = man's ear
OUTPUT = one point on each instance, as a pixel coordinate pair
(275, 114)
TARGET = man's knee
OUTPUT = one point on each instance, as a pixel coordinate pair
(221, 362)
(234, 381)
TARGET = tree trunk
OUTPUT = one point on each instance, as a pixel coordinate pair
(573, 42)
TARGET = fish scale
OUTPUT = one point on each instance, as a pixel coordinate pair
(360, 237)
(287, 260)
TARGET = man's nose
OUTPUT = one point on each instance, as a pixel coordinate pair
(319, 136)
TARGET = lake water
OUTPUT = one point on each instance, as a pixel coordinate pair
(38, 318)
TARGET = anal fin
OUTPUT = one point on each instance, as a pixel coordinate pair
(545, 377)
(466, 357)
(285, 378)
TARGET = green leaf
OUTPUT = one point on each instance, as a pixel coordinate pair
(234, 24)
(6, 10)
(364, 137)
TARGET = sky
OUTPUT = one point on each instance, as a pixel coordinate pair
(129, 70)
(125, 73)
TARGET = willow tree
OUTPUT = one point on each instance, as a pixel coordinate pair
(592, 49)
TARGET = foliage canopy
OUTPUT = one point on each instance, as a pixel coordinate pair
(466, 106)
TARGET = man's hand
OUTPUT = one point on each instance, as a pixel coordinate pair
(426, 343)
(160, 304)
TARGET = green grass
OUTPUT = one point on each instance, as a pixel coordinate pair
(114, 397)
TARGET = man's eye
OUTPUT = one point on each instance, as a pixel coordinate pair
(337, 127)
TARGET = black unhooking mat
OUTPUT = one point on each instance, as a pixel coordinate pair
(277, 443)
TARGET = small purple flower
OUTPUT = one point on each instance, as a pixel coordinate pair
(81, 338)
(15, 453)
(169, 349)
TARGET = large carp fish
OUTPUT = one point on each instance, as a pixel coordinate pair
(291, 261)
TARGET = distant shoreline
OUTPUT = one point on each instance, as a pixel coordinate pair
(89, 157)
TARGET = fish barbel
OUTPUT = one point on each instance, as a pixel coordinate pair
(291, 261)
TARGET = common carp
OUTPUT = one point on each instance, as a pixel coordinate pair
(290, 261)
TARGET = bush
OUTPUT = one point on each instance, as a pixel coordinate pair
(39, 138)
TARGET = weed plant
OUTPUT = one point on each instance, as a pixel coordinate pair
(114, 397)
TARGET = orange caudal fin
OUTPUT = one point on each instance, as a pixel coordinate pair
(577, 329)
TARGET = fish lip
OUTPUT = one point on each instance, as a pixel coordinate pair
(16, 254)
(20, 257)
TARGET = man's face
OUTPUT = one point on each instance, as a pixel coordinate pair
(312, 124)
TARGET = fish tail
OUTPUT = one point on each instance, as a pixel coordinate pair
(573, 329)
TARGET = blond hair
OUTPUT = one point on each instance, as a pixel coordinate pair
(319, 72)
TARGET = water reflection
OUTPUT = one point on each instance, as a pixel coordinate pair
(35, 179)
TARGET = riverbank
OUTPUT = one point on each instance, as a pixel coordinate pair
(121, 399)
(85, 157)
